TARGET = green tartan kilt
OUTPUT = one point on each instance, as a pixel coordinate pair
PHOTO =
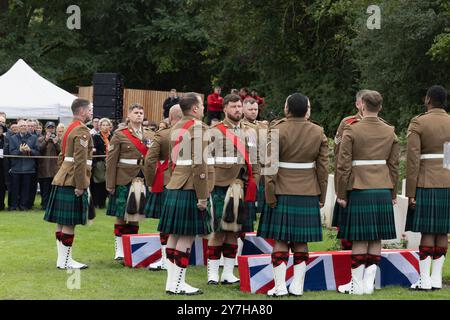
(180, 215)
(155, 204)
(339, 218)
(261, 197)
(369, 216)
(65, 208)
(432, 213)
(218, 200)
(296, 218)
(117, 203)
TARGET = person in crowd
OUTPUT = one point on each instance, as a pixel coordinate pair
(234, 91)
(244, 93)
(101, 146)
(68, 203)
(172, 100)
(31, 125)
(22, 169)
(260, 101)
(295, 193)
(3, 131)
(163, 124)
(145, 123)
(428, 187)
(49, 146)
(367, 176)
(215, 105)
(38, 128)
(60, 131)
(153, 126)
(14, 128)
(95, 126)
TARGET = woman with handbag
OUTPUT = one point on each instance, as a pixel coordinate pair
(101, 145)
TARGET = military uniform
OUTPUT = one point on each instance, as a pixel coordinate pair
(228, 169)
(339, 213)
(156, 166)
(188, 184)
(260, 128)
(426, 178)
(366, 176)
(429, 183)
(124, 162)
(64, 206)
(299, 184)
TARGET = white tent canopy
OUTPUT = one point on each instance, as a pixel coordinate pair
(24, 93)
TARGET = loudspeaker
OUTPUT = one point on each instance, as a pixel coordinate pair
(108, 95)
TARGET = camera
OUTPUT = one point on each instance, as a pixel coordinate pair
(52, 136)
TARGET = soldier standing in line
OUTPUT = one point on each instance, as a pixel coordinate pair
(235, 189)
(295, 193)
(367, 175)
(428, 187)
(339, 212)
(68, 202)
(124, 176)
(185, 213)
(157, 176)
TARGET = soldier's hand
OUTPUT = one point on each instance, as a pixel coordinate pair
(412, 202)
(273, 204)
(201, 204)
(79, 192)
(394, 202)
(149, 189)
(321, 204)
(111, 191)
(342, 202)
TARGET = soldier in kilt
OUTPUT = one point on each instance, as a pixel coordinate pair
(185, 213)
(339, 212)
(295, 191)
(235, 181)
(157, 176)
(68, 202)
(124, 164)
(428, 187)
(367, 175)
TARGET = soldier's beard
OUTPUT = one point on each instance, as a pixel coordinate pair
(233, 118)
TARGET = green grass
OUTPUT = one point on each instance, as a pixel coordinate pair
(27, 267)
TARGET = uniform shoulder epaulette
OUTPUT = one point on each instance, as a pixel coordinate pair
(351, 120)
(315, 122)
(419, 115)
(384, 121)
(277, 122)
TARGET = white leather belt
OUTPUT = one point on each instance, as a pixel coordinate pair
(71, 159)
(129, 161)
(210, 161)
(294, 165)
(432, 156)
(226, 160)
(356, 163)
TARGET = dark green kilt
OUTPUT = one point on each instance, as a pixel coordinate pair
(65, 208)
(218, 199)
(261, 197)
(339, 218)
(117, 203)
(432, 213)
(155, 204)
(180, 215)
(369, 216)
(295, 219)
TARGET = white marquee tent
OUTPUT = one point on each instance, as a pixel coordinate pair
(24, 93)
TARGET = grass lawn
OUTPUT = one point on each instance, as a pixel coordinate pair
(28, 271)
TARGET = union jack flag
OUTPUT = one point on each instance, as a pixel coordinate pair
(140, 250)
(328, 270)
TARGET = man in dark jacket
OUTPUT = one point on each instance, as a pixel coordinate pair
(22, 169)
(47, 167)
(170, 101)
